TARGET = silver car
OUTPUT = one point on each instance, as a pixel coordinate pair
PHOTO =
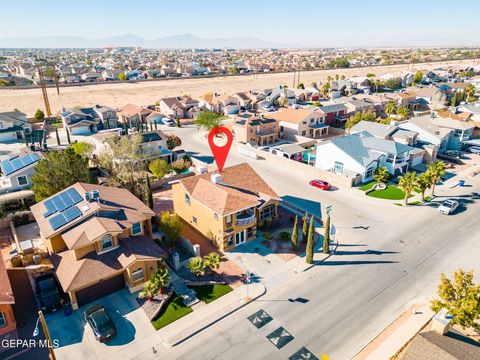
(448, 207)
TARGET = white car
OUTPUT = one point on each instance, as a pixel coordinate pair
(474, 149)
(167, 121)
(448, 207)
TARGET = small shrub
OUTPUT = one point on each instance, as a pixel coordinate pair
(23, 219)
(267, 236)
(285, 236)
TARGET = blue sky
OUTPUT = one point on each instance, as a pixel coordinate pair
(304, 22)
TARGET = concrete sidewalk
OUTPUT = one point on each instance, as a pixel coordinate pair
(191, 324)
(391, 340)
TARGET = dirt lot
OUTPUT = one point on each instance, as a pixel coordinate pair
(143, 93)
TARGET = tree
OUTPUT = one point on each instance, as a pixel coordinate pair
(125, 126)
(295, 234)
(339, 62)
(39, 115)
(282, 101)
(461, 297)
(418, 77)
(196, 266)
(407, 183)
(470, 92)
(211, 261)
(325, 89)
(181, 165)
(301, 86)
(173, 141)
(390, 108)
(148, 193)
(57, 171)
(342, 77)
(159, 168)
(83, 149)
(454, 100)
(437, 170)
(233, 71)
(57, 136)
(156, 284)
(424, 182)
(403, 112)
(360, 116)
(68, 136)
(122, 76)
(305, 228)
(326, 235)
(381, 174)
(179, 124)
(208, 120)
(370, 75)
(172, 227)
(310, 243)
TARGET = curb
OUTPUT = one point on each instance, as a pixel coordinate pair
(177, 342)
(325, 258)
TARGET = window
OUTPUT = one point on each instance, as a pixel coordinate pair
(390, 158)
(137, 275)
(22, 180)
(304, 122)
(304, 133)
(194, 220)
(228, 219)
(250, 232)
(230, 241)
(369, 173)
(312, 120)
(136, 228)
(267, 212)
(107, 242)
(338, 167)
(187, 199)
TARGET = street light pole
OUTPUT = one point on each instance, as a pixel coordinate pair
(247, 276)
(42, 321)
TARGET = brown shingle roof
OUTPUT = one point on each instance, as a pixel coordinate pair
(73, 274)
(241, 188)
(6, 293)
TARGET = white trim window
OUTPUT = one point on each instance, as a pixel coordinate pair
(137, 228)
(228, 219)
(267, 212)
(106, 242)
(137, 275)
(22, 180)
(3, 320)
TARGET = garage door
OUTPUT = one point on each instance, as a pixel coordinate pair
(99, 290)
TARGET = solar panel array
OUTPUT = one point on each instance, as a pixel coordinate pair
(63, 203)
(15, 164)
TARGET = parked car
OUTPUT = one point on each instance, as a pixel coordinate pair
(321, 184)
(168, 121)
(474, 149)
(454, 153)
(448, 207)
(46, 288)
(102, 326)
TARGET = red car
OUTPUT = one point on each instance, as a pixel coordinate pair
(320, 184)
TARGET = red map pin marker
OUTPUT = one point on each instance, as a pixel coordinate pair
(220, 153)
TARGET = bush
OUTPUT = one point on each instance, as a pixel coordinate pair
(267, 236)
(23, 219)
(285, 236)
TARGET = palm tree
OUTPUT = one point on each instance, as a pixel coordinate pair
(157, 282)
(407, 183)
(390, 108)
(403, 112)
(211, 261)
(196, 266)
(436, 169)
(424, 182)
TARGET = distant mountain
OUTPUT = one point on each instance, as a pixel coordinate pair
(184, 41)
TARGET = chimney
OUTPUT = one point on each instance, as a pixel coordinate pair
(216, 178)
(441, 322)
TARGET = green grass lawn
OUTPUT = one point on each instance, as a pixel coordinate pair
(418, 202)
(390, 193)
(427, 198)
(209, 293)
(172, 311)
(367, 186)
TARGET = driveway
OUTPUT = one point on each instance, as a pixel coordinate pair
(76, 337)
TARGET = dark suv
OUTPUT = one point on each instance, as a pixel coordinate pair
(46, 288)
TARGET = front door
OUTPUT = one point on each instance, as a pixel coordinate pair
(239, 238)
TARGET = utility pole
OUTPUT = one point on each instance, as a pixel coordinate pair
(47, 334)
(44, 91)
(55, 78)
(294, 73)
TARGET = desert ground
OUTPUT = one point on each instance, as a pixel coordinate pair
(144, 93)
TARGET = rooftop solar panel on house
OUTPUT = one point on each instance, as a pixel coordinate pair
(74, 195)
(58, 203)
(15, 164)
(72, 213)
(57, 221)
(7, 167)
(50, 208)
(66, 199)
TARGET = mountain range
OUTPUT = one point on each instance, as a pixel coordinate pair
(184, 41)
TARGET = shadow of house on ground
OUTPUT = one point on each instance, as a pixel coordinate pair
(366, 252)
(353, 262)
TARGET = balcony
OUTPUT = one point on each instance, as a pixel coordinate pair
(245, 218)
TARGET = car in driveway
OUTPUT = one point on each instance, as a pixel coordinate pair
(102, 325)
(454, 153)
(448, 207)
(47, 290)
(168, 121)
(321, 184)
(474, 149)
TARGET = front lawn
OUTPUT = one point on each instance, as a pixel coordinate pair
(172, 311)
(367, 186)
(209, 293)
(390, 193)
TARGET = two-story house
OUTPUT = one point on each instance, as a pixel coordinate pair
(299, 122)
(226, 207)
(79, 122)
(13, 126)
(182, 107)
(107, 115)
(133, 114)
(8, 324)
(99, 240)
(335, 114)
(17, 171)
(256, 130)
(357, 156)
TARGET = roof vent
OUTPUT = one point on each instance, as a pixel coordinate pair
(87, 196)
(216, 178)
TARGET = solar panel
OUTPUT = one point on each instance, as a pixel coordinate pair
(17, 163)
(74, 195)
(72, 213)
(57, 221)
(66, 199)
(7, 167)
(58, 203)
(50, 208)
